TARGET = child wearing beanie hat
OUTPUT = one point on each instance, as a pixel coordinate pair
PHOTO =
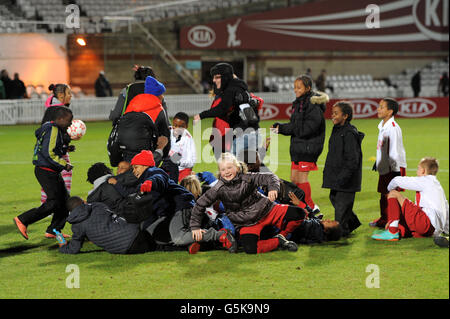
(154, 87)
(140, 163)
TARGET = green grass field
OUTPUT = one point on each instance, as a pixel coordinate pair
(411, 268)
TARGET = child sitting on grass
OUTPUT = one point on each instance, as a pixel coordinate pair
(427, 217)
(249, 210)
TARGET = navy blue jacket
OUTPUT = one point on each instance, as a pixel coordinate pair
(50, 147)
(169, 197)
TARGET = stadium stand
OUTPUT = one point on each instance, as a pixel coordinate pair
(93, 13)
(363, 85)
(430, 75)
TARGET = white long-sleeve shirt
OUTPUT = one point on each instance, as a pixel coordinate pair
(184, 146)
(430, 196)
(390, 151)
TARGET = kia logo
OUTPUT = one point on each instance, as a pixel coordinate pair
(201, 36)
(364, 108)
(268, 111)
(416, 107)
(434, 16)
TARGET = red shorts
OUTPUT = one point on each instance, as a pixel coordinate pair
(274, 217)
(304, 166)
(415, 221)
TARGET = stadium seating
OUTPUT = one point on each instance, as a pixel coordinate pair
(363, 85)
(93, 11)
(430, 76)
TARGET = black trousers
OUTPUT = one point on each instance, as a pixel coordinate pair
(343, 211)
(53, 185)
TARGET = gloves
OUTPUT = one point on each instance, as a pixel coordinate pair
(206, 177)
(146, 187)
(71, 148)
(275, 125)
(68, 167)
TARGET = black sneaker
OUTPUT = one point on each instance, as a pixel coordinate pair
(441, 241)
(286, 244)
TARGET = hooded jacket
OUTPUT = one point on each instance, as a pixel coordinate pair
(224, 107)
(97, 223)
(142, 123)
(50, 147)
(343, 166)
(306, 127)
(244, 204)
(168, 196)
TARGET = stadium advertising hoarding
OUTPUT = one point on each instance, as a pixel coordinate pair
(364, 25)
(367, 108)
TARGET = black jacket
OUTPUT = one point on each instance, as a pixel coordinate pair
(343, 166)
(306, 128)
(97, 223)
(112, 195)
(168, 196)
(309, 232)
(50, 147)
(227, 109)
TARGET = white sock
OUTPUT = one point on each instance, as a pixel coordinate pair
(394, 223)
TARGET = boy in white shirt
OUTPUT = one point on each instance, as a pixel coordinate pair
(391, 157)
(182, 145)
(428, 216)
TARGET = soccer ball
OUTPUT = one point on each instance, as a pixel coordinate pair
(77, 129)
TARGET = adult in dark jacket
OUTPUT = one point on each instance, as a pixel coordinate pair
(307, 131)
(343, 167)
(416, 83)
(102, 86)
(229, 92)
(97, 223)
(18, 90)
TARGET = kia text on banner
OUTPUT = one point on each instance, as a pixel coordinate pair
(367, 108)
(404, 25)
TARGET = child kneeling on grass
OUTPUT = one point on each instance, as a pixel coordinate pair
(97, 223)
(249, 210)
(427, 217)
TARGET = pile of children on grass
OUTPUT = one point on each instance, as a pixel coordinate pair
(156, 202)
